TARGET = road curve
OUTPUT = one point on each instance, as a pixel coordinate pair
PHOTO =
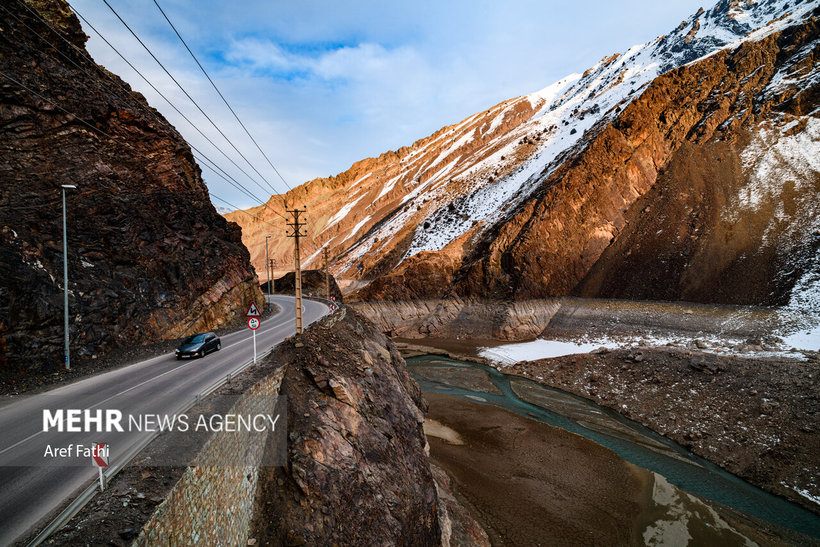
(29, 494)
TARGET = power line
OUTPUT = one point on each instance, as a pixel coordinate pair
(203, 157)
(221, 95)
(172, 105)
(151, 53)
(238, 210)
(248, 193)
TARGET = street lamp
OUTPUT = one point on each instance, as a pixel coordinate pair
(267, 267)
(65, 277)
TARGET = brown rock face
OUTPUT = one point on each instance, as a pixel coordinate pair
(148, 256)
(347, 212)
(357, 471)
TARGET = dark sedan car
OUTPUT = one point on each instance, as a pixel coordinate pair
(197, 345)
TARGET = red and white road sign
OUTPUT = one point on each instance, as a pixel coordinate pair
(99, 455)
(252, 311)
(253, 323)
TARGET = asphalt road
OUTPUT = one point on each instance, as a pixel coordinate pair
(32, 486)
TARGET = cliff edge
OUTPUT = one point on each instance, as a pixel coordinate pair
(357, 471)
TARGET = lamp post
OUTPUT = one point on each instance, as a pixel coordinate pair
(65, 277)
(267, 268)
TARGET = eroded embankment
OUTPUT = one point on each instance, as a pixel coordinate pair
(461, 318)
(498, 320)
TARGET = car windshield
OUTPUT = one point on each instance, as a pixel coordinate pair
(195, 339)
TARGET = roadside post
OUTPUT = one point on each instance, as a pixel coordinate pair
(253, 324)
(99, 457)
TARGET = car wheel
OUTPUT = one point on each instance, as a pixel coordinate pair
(202, 354)
(218, 346)
(179, 358)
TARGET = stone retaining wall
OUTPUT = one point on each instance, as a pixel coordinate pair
(212, 504)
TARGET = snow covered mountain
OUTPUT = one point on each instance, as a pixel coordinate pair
(707, 136)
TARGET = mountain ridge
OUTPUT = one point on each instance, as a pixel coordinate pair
(427, 203)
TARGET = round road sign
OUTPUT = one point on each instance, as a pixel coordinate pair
(253, 323)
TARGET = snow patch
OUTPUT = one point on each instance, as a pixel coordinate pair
(542, 348)
(319, 250)
(358, 227)
(774, 159)
(361, 179)
(510, 354)
(342, 213)
(465, 139)
(387, 187)
(804, 308)
(808, 495)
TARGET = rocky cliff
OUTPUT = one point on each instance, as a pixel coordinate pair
(148, 256)
(684, 168)
(667, 200)
(357, 471)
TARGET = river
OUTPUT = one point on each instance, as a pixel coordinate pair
(629, 440)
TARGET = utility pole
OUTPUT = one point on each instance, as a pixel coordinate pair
(327, 275)
(296, 234)
(65, 277)
(267, 270)
(272, 275)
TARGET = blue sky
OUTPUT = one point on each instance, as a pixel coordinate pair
(323, 84)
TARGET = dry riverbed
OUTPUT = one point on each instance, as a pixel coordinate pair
(528, 483)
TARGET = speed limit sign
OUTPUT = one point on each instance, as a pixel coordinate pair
(253, 323)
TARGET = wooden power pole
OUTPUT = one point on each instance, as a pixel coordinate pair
(272, 280)
(296, 234)
(327, 275)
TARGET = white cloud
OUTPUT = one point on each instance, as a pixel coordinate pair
(259, 54)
